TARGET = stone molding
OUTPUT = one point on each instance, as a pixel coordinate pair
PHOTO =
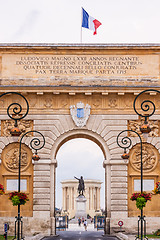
(101, 104)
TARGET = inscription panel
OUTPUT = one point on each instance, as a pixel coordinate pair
(106, 66)
(148, 184)
(12, 185)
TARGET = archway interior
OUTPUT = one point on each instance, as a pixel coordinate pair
(79, 157)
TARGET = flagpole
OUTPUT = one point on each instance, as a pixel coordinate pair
(81, 27)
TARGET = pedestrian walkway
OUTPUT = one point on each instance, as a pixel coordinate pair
(78, 235)
(76, 232)
(76, 227)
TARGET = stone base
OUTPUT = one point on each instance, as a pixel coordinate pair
(34, 226)
(107, 226)
(81, 207)
(31, 226)
(130, 224)
(117, 230)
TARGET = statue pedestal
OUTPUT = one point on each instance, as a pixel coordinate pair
(81, 207)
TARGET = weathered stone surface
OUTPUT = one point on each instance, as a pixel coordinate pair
(119, 208)
(119, 190)
(43, 167)
(119, 179)
(119, 202)
(41, 190)
(41, 195)
(118, 185)
(116, 216)
(119, 168)
(41, 207)
(118, 196)
(39, 201)
(41, 214)
(119, 173)
(41, 184)
(42, 173)
(42, 179)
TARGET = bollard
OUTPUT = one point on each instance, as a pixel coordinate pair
(6, 228)
(5, 235)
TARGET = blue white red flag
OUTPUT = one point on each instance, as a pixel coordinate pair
(89, 22)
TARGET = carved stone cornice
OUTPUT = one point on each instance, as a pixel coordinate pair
(50, 103)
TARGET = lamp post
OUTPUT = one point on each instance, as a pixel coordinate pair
(125, 143)
(147, 109)
(14, 111)
(35, 144)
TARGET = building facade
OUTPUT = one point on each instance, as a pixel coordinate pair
(79, 91)
(91, 193)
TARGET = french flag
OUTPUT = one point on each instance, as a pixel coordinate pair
(90, 22)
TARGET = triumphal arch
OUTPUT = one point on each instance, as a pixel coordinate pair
(78, 91)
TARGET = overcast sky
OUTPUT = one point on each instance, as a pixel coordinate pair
(59, 21)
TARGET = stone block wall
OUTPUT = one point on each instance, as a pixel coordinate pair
(57, 129)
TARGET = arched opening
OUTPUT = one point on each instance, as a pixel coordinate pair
(78, 156)
(81, 134)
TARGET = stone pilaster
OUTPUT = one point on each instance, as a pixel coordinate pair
(53, 166)
(41, 190)
(107, 167)
(119, 186)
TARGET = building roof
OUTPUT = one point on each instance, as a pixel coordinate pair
(74, 45)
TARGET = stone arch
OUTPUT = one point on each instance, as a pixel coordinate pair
(77, 133)
(81, 133)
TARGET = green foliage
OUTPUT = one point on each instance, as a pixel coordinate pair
(153, 236)
(157, 233)
(9, 237)
(140, 202)
(15, 200)
(18, 198)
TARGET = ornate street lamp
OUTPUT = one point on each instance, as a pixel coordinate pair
(35, 144)
(14, 111)
(147, 109)
(125, 142)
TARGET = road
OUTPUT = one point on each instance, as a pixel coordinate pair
(80, 235)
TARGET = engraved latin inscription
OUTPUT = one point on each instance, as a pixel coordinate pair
(80, 65)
